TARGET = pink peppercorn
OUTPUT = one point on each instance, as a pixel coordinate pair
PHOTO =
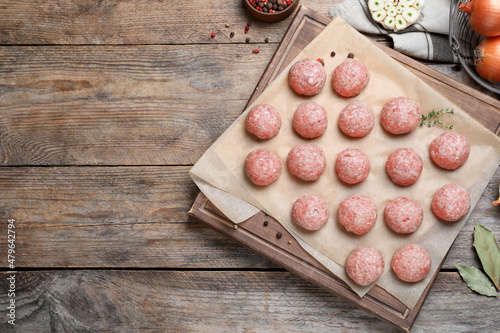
(212, 35)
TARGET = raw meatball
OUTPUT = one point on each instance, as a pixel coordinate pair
(450, 150)
(411, 263)
(404, 166)
(352, 166)
(350, 78)
(310, 212)
(364, 265)
(400, 115)
(263, 121)
(356, 119)
(357, 214)
(450, 203)
(306, 161)
(262, 167)
(403, 215)
(307, 77)
(310, 120)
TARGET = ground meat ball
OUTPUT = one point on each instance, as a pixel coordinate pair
(400, 115)
(357, 214)
(263, 121)
(450, 150)
(450, 203)
(262, 167)
(365, 265)
(310, 212)
(411, 263)
(350, 78)
(310, 120)
(307, 77)
(356, 119)
(404, 166)
(352, 166)
(306, 161)
(403, 215)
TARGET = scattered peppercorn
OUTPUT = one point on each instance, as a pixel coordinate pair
(350, 55)
(212, 35)
(256, 51)
(266, 223)
(279, 235)
(266, 40)
(231, 35)
(332, 54)
(235, 226)
(290, 242)
(227, 25)
(247, 40)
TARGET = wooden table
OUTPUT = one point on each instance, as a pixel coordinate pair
(104, 107)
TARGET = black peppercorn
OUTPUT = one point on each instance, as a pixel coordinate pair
(247, 40)
(279, 235)
(266, 223)
(350, 55)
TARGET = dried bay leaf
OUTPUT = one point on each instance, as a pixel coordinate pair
(476, 280)
(488, 252)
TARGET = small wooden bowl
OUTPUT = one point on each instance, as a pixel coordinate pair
(270, 17)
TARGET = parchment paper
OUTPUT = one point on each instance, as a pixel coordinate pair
(220, 171)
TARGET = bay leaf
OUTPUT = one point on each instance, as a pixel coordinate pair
(476, 280)
(488, 251)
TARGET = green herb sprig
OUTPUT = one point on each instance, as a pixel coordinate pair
(432, 118)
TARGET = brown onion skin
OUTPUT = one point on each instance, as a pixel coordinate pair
(484, 16)
(487, 59)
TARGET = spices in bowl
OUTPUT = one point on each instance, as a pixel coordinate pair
(270, 10)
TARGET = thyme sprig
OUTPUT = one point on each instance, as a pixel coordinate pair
(432, 118)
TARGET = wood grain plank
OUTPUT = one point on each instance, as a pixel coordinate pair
(134, 22)
(137, 105)
(222, 301)
(137, 217)
(95, 195)
(140, 245)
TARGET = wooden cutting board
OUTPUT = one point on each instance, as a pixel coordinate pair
(267, 237)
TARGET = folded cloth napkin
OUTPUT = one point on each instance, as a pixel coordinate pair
(426, 39)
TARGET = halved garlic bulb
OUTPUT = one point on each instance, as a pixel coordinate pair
(396, 15)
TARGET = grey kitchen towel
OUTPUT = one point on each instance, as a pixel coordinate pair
(426, 39)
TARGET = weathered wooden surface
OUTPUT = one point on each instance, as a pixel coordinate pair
(135, 22)
(221, 301)
(136, 217)
(104, 106)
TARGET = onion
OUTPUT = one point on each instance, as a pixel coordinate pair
(487, 59)
(484, 16)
